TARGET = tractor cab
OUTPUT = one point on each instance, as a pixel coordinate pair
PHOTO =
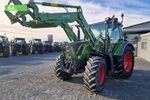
(3, 39)
(56, 47)
(113, 29)
(37, 41)
(48, 46)
(107, 33)
(4, 46)
(19, 41)
(47, 43)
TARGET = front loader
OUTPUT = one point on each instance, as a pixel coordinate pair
(99, 54)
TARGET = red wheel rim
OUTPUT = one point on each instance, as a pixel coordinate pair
(128, 62)
(101, 75)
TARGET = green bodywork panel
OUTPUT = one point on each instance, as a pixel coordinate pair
(3, 41)
(85, 52)
(117, 48)
(4, 44)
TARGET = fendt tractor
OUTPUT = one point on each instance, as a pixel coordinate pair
(4, 46)
(19, 45)
(36, 46)
(48, 46)
(99, 54)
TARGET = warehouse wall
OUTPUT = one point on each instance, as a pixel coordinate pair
(144, 47)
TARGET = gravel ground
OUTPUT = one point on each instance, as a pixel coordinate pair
(32, 78)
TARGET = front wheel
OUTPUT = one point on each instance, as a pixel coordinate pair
(14, 50)
(94, 75)
(26, 50)
(58, 69)
(32, 49)
(6, 51)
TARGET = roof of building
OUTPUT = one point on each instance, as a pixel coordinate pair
(140, 28)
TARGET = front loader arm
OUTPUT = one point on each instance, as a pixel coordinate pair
(45, 20)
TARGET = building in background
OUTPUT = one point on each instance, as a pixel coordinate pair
(139, 35)
(144, 46)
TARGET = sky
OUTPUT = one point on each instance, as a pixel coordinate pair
(136, 11)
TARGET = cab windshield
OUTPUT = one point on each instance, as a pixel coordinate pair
(20, 41)
(98, 30)
(37, 42)
(47, 43)
(114, 34)
(1, 39)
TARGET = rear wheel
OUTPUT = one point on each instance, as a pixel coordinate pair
(94, 75)
(6, 51)
(126, 64)
(32, 49)
(58, 68)
(14, 50)
(26, 50)
(43, 49)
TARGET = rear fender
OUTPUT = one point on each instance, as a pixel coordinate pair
(120, 47)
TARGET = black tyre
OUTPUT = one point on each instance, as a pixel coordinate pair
(126, 63)
(50, 49)
(14, 50)
(42, 49)
(6, 51)
(32, 49)
(39, 49)
(58, 68)
(94, 75)
(26, 50)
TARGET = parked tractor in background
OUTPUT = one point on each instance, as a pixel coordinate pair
(102, 52)
(19, 45)
(48, 46)
(36, 46)
(64, 44)
(56, 47)
(4, 46)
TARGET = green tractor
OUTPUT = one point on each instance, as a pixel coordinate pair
(99, 54)
(36, 45)
(19, 45)
(56, 47)
(48, 46)
(4, 46)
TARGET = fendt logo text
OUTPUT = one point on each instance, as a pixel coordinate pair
(15, 7)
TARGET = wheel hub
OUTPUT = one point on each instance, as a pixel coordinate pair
(128, 61)
(101, 75)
